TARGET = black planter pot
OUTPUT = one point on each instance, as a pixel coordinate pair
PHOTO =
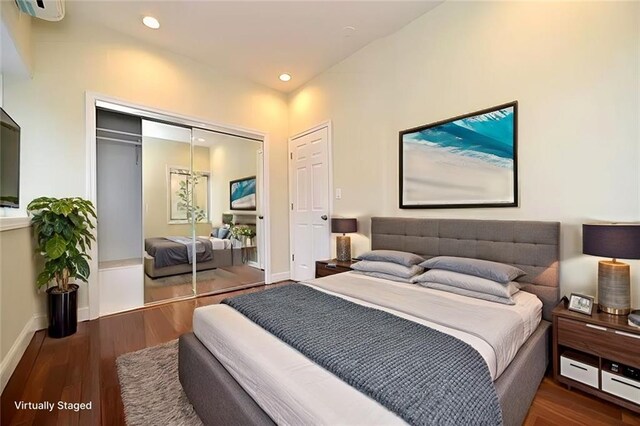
(63, 311)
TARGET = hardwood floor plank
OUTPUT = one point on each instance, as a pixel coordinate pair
(55, 377)
(82, 368)
(91, 378)
(15, 386)
(628, 418)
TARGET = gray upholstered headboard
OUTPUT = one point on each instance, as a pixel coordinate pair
(532, 246)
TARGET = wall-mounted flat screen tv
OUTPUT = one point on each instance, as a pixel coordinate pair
(242, 193)
(9, 162)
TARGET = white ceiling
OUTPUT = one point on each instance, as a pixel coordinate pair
(258, 40)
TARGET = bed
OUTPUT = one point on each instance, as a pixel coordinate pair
(165, 256)
(258, 379)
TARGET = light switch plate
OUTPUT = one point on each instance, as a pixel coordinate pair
(338, 193)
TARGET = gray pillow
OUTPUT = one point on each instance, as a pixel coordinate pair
(469, 293)
(388, 268)
(468, 283)
(480, 268)
(385, 276)
(393, 256)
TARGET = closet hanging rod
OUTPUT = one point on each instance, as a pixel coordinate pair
(120, 132)
(103, 138)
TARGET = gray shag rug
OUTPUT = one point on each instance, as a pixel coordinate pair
(151, 391)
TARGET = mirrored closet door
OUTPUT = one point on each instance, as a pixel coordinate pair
(180, 208)
(231, 167)
(170, 211)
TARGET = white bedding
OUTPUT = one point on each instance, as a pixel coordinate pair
(219, 243)
(294, 390)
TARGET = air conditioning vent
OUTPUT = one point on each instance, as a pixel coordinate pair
(49, 10)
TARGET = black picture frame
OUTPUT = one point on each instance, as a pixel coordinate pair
(233, 205)
(511, 203)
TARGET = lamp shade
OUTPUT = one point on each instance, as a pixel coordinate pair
(343, 225)
(618, 241)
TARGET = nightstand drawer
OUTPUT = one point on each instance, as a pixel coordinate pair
(322, 270)
(579, 371)
(598, 340)
(622, 387)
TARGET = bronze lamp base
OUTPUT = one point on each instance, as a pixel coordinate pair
(614, 288)
(343, 248)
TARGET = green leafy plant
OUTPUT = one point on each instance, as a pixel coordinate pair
(242, 230)
(63, 231)
(186, 197)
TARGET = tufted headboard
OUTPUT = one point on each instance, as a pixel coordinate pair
(532, 246)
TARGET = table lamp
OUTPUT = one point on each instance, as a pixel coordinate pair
(618, 241)
(343, 243)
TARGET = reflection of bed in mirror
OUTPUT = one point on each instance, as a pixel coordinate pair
(165, 256)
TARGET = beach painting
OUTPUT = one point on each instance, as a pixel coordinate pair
(467, 161)
(243, 194)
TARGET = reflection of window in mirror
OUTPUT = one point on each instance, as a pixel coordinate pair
(188, 196)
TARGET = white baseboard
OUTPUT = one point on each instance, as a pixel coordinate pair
(281, 276)
(11, 360)
(13, 357)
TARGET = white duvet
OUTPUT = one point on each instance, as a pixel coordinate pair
(294, 390)
(219, 243)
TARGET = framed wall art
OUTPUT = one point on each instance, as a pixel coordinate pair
(466, 161)
(242, 194)
(188, 195)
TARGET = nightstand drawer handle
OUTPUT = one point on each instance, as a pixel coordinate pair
(597, 327)
(622, 333)
(577, 366)
(624, 383)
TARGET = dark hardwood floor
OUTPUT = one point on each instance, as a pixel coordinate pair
(81, 368)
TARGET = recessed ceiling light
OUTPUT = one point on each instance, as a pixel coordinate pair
(348, 31)
(200, 139)
(285, 77)
(151, 22)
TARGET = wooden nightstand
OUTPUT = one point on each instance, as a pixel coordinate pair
(322, 270)
(591, 352)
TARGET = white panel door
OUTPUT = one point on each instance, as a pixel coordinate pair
(309, 195)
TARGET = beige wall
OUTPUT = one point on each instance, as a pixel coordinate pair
(158, 155)
(19, 299)
(18, 25)
(72, 60)
(573, 67)
(231, 158)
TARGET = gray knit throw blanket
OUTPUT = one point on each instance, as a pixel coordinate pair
(424, 376)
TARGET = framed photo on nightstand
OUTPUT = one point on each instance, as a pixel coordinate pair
(581, 303)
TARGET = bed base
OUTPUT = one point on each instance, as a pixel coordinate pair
(214, 393)
(220, 400)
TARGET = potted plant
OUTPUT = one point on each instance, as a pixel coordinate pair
(63, 229)
(243, 233)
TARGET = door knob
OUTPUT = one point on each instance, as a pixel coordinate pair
(260, 217)
(323, 217)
